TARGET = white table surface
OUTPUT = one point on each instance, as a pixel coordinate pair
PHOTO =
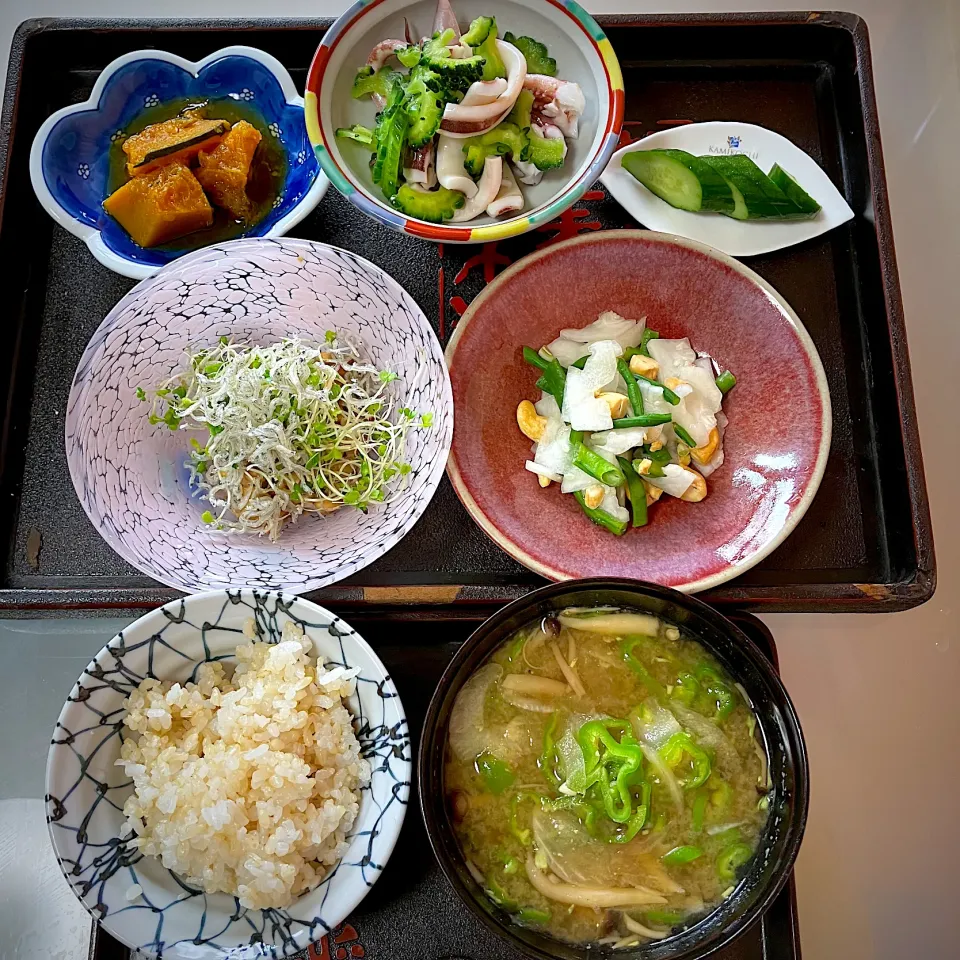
(877, 694)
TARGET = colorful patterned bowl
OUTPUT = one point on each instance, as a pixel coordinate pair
(776, 444)
(70, 157)
(575, 40)
(85, 791)
(130, 476)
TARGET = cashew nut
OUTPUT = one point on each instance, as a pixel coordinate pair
(704, 453)
(530, 422)
(675, 382)
(617, 403)
(656, 445)
(643, 467)
(544, 481)
(697, 490)
(593, 496)
(645, 366)
(653, 493)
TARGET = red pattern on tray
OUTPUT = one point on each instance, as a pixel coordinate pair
(345, 945)
(571, 222)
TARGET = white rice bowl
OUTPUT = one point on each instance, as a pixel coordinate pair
(255, 777)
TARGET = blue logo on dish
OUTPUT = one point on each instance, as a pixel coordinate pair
(76, 154)
(733, 142)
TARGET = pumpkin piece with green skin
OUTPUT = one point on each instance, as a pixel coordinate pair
(178, 140)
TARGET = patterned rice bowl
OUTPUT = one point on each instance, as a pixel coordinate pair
(130, 476)
(574, 39)
(85, 790)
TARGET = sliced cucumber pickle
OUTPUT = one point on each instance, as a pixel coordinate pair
(760, 197)
(681, 179)
(793, 190)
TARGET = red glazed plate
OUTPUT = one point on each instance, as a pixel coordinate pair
(775, 446)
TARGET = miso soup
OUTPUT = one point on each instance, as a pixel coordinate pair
(604, 777)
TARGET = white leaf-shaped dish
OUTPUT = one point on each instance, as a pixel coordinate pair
(734, 237)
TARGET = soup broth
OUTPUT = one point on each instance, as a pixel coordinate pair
(604, 777)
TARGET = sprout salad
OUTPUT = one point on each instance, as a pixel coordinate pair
(289, 429)
(472, 117)
(624, 415)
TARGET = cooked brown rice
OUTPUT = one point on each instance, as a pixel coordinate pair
(246, 784)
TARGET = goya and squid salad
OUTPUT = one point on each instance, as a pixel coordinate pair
(464, 120)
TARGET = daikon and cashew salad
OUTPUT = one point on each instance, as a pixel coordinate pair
(473, 117)
(624, 415)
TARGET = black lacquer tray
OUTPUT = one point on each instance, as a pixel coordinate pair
(864, 545)
(412, 913)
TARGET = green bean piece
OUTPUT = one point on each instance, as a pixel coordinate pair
(534, 359)
(658, 459)
(647, 336)
(601, 518)
(726, 381)
(553, 381)
(579, 363)
(680, 855)
(636, 491)
(633, 391)
(597, 467)
(643, 420)
(731, 859)
(661, 456)
(684, 436)
(668, 394)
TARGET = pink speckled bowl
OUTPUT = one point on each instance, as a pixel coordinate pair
(776, 444)
(130, 475)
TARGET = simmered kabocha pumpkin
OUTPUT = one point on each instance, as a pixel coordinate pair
(177, 140)
(160, 206)
(223, 172)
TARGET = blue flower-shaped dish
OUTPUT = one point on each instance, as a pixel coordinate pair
(70, 158)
